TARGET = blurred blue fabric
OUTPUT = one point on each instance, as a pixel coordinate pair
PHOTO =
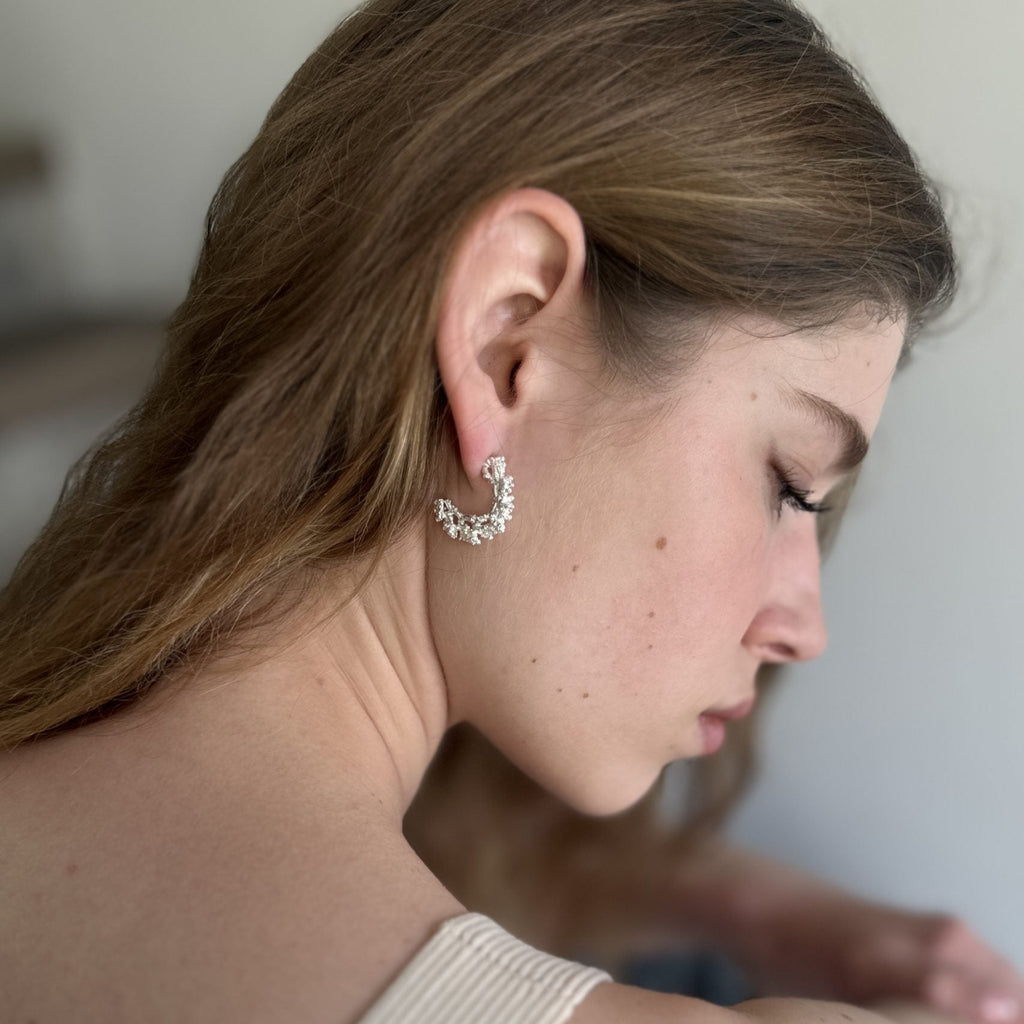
(702, 975)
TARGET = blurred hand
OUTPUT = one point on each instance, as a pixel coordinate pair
(933, 959)
(795, 935)
(834, 946)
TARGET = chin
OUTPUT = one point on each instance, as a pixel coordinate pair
(606, 793)
(587, 777)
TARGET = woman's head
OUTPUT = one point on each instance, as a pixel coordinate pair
(724, 166)
(664, 544)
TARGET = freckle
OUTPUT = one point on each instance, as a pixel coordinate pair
(575, 567)
(72, 868)
(585, 696)
(559, 689)
(753, 396)
(650, 615)
(533, 661)
(660, 543)
(650, 647)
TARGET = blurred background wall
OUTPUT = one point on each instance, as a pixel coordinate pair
(895, 764)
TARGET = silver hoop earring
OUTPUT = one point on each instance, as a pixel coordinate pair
(473, 529)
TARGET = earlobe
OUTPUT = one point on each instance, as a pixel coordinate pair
(520, 259)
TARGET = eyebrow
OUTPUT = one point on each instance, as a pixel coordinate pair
(853, 442)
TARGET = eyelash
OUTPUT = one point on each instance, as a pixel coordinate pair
(796, 497)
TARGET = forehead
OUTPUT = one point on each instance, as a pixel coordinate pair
(849, 365)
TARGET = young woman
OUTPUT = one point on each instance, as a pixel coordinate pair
(526, 341)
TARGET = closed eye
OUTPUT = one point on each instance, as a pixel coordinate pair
(796, 497)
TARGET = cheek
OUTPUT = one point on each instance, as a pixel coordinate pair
(703, 584)
(655, 569)
(677, 553)
(703, 557)
(664, 613)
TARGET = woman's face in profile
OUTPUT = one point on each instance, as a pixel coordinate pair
(646, 577)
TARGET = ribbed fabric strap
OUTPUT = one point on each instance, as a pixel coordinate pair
(474, 972)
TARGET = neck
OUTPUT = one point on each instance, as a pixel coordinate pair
(354, 694)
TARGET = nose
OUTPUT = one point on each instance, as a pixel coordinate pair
(790, 624)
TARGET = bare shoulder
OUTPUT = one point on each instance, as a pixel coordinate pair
(610, 1003)
(128, 892)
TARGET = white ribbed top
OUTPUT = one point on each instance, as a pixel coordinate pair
(473, 971)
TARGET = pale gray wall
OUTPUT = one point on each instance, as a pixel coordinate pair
(895, 763)
(147, 103)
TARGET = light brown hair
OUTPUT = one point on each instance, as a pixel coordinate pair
(721, 157)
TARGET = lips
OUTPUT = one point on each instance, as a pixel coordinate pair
(713, 722)
(731, 714)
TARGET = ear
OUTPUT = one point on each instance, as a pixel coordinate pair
(518, 263)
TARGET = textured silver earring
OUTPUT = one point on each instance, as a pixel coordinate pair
(473, 529)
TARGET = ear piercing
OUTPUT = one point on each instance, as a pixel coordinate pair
(473, 529)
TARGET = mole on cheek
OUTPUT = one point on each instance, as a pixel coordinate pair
(585, 696)
(753, 396)
(575, 567)
(650, 615)
(660, 543)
